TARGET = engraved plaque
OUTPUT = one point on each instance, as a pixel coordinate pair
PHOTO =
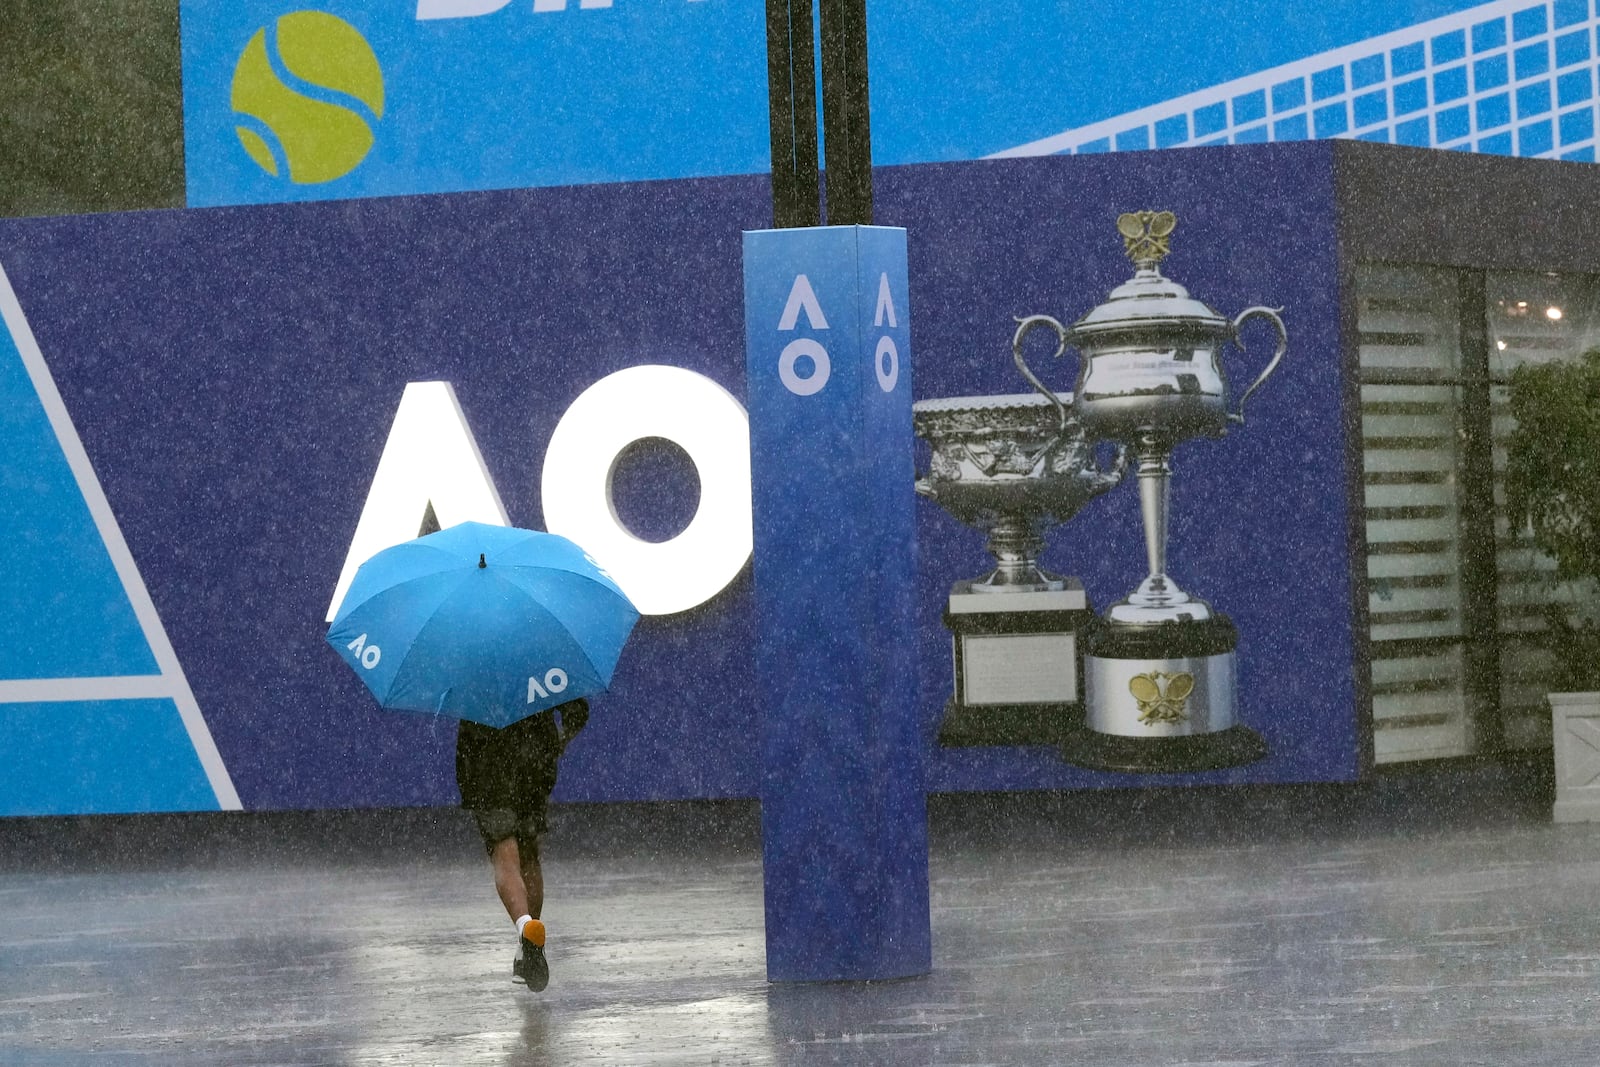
(1020, 668)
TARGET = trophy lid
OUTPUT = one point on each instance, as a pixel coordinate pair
(1150, 302)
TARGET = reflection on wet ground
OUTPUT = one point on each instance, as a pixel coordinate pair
(1431, 919)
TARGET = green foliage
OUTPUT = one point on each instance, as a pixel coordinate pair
(1553, 487)
(1553, 460)
(1577, 649)
(91, 106)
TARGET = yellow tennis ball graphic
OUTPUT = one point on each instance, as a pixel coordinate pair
(317, 141)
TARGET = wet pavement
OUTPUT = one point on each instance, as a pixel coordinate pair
(1424, 919)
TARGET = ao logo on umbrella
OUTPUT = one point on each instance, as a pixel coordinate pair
(488, 623)
(369, 656)
(554, 681)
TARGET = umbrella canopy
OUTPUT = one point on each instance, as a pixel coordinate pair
(489, 623)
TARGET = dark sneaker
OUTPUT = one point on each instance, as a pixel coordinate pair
(519, 971)
(530, 966)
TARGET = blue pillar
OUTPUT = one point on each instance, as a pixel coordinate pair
(843, 804)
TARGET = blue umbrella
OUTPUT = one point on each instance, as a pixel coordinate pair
(489, 623)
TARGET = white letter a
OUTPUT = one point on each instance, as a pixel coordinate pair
(885, 303)
(801, 295)
(430, 458)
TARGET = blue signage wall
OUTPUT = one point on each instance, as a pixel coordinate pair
(232, 374)
(285, 100)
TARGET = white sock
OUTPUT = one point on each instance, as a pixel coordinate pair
(524, 921)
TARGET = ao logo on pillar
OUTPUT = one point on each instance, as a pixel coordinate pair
(804, 366)
(307, 94)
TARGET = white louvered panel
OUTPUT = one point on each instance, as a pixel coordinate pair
(1430, 400)
(1411, 461)
(1412, 522)
(1426, 417)
(1400, 618)
(1388, 624)
(1419, 707)
(1406, 332)
(1403, 296)
(1407, 531)
(1526, 583)
(1525, 672)
(1392, 571)
(1436, 493)
(1385, 355)
(1409, 357)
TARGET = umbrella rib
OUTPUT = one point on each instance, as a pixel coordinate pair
(550, 617)
(349, 604)
(576, 644)
(411, 645)
(582, 651)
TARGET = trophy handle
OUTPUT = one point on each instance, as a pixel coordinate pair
(1024, 327)
(1119, 467)
(1271, 315)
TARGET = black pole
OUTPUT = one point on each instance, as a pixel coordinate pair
(847, 135)
(792, 99)
(791, 77)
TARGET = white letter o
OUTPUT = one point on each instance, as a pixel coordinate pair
(887, 378)
(700, 417)
(822, 367)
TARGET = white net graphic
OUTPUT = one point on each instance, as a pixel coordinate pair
(1503, 78)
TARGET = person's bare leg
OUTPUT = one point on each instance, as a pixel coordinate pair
(533, 878)
(527, 894)
(509, 881)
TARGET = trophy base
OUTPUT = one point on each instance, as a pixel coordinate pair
(1018, 664)
(1161, 698)
(965, 726)
(1233, 747)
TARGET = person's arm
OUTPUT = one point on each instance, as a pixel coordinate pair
(574, 717)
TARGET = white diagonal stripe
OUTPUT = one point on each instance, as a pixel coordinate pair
(105, 521)
(57, 690)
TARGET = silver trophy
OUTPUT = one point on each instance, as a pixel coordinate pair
(1160, 670)
(1012, 466)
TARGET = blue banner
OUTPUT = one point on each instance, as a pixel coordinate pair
(350, 98)
(346, 99)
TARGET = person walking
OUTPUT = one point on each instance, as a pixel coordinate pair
(505, 777)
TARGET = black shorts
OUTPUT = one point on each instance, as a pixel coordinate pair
(505, 776)
(497, 824)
